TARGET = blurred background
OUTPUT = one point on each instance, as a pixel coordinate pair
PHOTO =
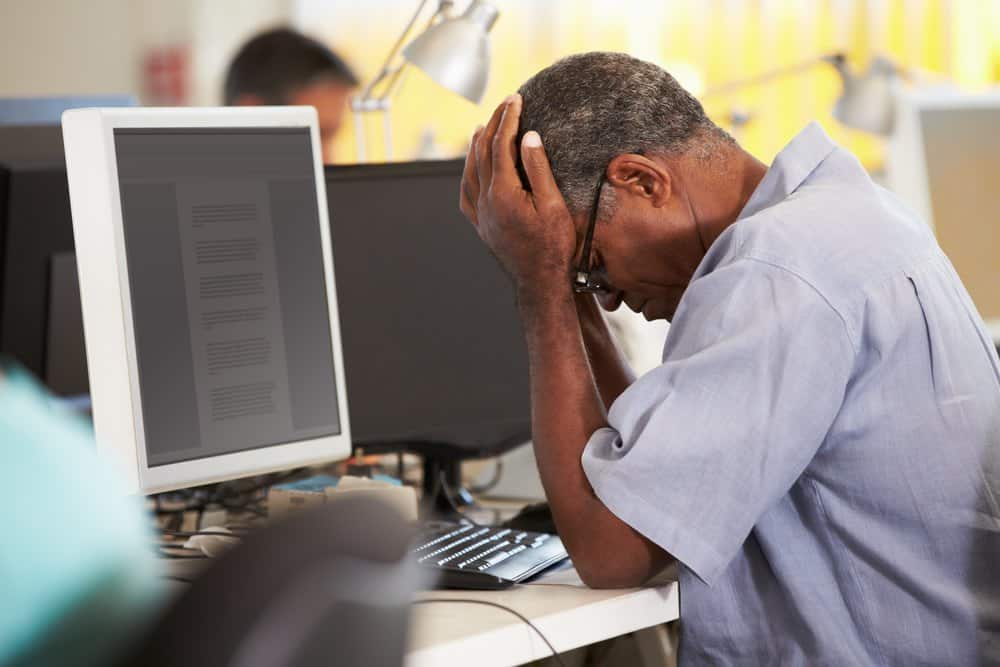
(175, 52)
(912, 87)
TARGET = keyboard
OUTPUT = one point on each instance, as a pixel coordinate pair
(467, 555)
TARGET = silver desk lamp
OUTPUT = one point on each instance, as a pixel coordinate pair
(866, 102)
(453, 50)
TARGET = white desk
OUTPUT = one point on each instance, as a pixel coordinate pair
(470, 634)
(569, 616)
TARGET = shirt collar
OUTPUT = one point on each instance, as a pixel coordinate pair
(790, 168)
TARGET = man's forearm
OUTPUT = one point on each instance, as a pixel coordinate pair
(611, 371)
(566, 410)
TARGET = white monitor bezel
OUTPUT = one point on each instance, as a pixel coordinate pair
(92, 171)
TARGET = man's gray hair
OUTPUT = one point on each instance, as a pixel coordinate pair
(592, 107)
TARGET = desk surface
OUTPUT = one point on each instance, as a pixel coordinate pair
(568, 615)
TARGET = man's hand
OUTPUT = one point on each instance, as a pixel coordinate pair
(530, 233)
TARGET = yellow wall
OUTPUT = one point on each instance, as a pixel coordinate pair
(705, 42)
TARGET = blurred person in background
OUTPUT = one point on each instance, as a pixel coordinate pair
(284, 67)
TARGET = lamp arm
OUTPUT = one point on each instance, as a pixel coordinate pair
(386, 66)
(766, 77)
(394, 82)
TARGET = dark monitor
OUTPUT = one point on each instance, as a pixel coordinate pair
(39, 313)
(435, 358)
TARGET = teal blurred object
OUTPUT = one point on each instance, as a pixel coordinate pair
(77, 571)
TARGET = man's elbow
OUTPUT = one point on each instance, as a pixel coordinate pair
(609, 573)
(607, 552)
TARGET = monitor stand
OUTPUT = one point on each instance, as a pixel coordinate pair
(442, 488)
(442, 492)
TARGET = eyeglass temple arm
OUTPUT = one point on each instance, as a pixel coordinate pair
(583, 268)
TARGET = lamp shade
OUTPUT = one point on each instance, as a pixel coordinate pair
(868, 101)
(456, 51)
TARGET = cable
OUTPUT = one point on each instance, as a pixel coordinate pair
(183, 556)
(193, 533)
(493, 481)
(249, 507)
(230, 495)
(444, 488)
(555, 654)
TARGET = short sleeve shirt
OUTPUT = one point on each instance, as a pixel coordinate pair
(820, 448)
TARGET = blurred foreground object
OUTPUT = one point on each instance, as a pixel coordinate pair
(79, 578)
(331, 585)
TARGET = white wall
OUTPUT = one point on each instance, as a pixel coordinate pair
(93, 47)
(219, 28)
(60, 47)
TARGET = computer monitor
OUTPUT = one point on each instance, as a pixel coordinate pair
(40, 321)
(436, 360)
(208, 293)
(35, 229)
(944, 160)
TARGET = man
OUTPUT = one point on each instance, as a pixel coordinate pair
(282, 67)
(820, 448)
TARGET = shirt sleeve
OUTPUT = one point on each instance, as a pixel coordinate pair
(755, 370)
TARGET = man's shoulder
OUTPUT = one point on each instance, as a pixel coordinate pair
(839, 236)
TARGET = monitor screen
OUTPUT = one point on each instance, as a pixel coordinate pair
(66, 356)
(227, 292)
(432, 341)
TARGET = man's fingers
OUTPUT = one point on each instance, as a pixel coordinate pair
(536, 165)
(484, 146)
(505, 143)
(467, 204)
(468, 193)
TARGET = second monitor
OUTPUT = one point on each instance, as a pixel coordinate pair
(434, 355)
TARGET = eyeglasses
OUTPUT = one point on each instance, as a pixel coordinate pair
(585, 281)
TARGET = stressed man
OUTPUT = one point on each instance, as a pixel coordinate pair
(820, 448)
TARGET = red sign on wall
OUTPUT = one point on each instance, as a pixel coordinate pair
(166, 75)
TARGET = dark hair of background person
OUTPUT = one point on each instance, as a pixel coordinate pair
(273, 65)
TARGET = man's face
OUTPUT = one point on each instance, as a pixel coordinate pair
(646, 251)
(330, 99)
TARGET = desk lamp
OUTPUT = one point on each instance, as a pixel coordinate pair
(867, 100)
(454, 50)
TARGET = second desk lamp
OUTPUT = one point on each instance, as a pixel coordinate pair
(866, 102)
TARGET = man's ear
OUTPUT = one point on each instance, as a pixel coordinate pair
(642, 177)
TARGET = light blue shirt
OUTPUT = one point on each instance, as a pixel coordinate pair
(78, 573)
(820, 449)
